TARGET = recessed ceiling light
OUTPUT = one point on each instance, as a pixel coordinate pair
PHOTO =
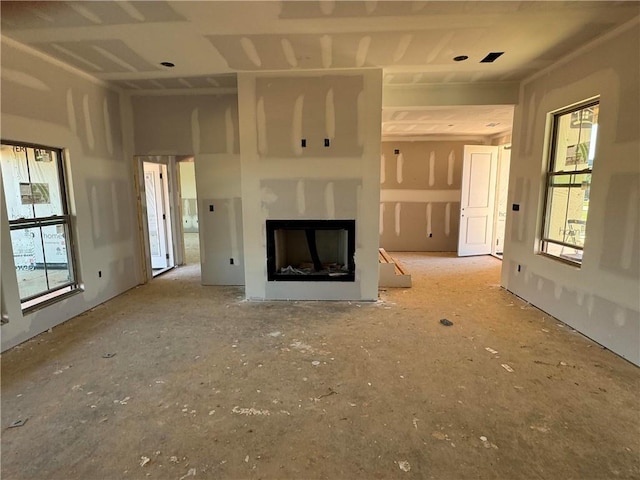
(460, 58)
(168, 64)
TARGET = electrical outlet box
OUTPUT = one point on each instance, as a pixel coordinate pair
(303, 143)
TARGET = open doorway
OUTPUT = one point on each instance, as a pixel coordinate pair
(158, 221)
(189, 203)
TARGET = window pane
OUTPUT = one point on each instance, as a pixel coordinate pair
(567, 215)
(56, 259)
(15, 179)
(575, 139)
(568, 253)
(45, 184)
(32, 277)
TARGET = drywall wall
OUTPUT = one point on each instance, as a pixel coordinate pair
(599, 299)
(284, 180)
(420, 195)
(205, 126)
(47, 104)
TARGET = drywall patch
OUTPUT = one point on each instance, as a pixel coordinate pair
(107, 126)
(296, 131)
(295, 108)
(329, 201)
(71, 112)
(330, 115)
(289, 52)
(229, 128)
(399, 167)
(383, 168)
(284, 197)
(361, 119)
(87, 122)
(447, 219)
(300, 200)
(402, 47)
(250, 51)
(363, 51)
(432, 168)
(195, 130)
(620, 317)
(429, 213)
(381, 219)
(557, 291)
(115, 207)
(261, 120)
(451, 160)
(24, 79)
(622, 238)
(398, 210)
(326, 48)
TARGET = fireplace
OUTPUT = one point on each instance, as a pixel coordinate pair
(311, 250)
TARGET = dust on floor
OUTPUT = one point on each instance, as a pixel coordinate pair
(180, 381)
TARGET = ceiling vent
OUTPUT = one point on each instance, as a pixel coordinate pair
(491, 57)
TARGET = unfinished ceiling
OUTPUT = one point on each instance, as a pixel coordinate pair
(125, 42)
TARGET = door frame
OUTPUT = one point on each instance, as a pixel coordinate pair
(172, 204)
(499, 185)
(487, 247)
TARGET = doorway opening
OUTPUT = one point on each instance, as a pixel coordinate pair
(158, 217)
(189, 204)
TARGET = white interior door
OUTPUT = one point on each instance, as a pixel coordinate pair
(477, 200)
(156, 216)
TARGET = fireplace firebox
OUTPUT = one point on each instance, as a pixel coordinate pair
(311, 250)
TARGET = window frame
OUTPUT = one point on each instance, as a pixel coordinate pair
(55, 294)
(550, 175)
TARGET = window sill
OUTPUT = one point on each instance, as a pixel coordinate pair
(562, 259)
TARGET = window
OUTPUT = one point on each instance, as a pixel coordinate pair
(39, 222)
(572, 153)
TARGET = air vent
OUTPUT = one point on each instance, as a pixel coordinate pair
(491, 57)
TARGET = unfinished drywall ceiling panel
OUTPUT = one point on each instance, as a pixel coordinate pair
(207, 127)
(45, 104)
(284, 180)
(185, 124)
(599, 298)
(420, 195)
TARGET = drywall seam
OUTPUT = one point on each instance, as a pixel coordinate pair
(419, 196)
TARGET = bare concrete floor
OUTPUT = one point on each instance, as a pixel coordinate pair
(205, 385)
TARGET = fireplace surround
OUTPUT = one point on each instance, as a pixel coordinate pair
(310, 250)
